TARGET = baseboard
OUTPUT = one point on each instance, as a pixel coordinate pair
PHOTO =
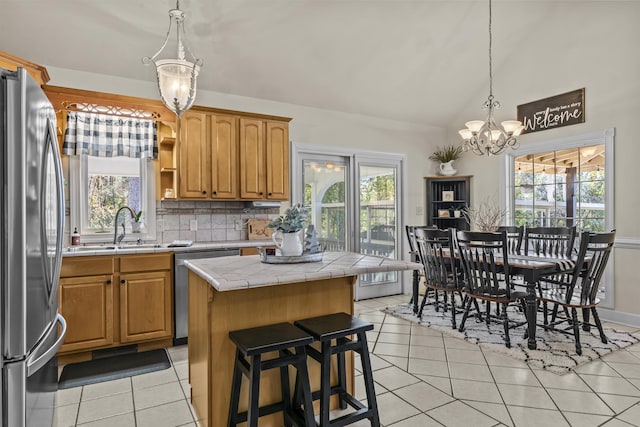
(629, 319)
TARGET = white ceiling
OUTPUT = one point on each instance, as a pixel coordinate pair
(416, 61)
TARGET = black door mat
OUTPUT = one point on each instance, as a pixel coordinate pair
(113, 368)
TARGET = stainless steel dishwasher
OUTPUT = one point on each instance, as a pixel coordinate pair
(181, 289)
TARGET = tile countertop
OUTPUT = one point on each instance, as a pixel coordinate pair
(153, 248)
(241, 272)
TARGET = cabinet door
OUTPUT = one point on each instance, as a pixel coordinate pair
(194, 155)
(277, 147)
(87, 305)
(224, 157)
(146, 308)
(252, 159)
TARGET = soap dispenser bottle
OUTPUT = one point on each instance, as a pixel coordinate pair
(75, 237)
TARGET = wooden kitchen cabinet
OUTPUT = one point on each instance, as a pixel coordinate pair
(264, 160)
(86, 303)
(194, 164)
(145, 306)
(208, 156)
(231, 155)
(110, 301)
(277, 169)
(224, 157)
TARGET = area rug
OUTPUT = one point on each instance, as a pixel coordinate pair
(114, 367)
(556, 352)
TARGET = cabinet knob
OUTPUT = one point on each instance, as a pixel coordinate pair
(108, 281)
(260, 193)
(270, 194)
(122, 282)
(204, 192)
(215, 192)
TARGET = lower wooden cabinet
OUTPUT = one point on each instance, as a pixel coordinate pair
(109, 301)
(145, 306)
(87, 305)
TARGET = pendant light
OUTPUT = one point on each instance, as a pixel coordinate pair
(176, 76)
(489, 138)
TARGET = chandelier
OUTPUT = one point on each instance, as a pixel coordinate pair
(176, 77)
(488, 138)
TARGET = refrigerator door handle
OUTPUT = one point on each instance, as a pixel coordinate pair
(60, 225)
(35, 363)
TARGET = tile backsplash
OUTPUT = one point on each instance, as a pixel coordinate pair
(215, 221)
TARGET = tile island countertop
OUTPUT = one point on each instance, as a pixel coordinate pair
(242, 272)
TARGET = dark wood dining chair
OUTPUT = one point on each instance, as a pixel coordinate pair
(440, 272)
(415, 257)
(514, 237)
(549, 241)
(485, 279)
(554, 242)
(580, 287)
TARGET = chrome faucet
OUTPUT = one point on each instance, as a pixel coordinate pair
(118, 238)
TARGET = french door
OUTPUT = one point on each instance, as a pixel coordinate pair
(354, 202)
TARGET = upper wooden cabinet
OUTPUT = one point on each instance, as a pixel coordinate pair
(10, 62)
(194, 165)
(277, 152)
(252, 159)
(233, 156)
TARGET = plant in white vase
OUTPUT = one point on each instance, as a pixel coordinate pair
(446, 155)
(287, 230)
(137, 225)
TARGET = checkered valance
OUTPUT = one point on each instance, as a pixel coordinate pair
(100, 135)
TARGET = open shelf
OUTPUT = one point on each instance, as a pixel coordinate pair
(447, 193)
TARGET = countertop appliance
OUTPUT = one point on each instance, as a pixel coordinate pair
(31, 233)
(181, 286)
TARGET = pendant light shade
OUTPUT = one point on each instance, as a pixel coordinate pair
(176, 77)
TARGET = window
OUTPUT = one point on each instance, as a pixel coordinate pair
(110, 166)
(561, 188)
(104, 184)
(567, 181)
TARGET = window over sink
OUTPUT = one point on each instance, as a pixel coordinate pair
(110, 166)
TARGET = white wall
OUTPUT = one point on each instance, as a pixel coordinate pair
(605, 62)
(309, 126)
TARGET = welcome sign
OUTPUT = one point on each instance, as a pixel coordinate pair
(554, 112)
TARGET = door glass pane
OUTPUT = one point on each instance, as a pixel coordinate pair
(378, 224)
(325, 194)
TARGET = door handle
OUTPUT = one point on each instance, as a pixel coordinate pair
(35, 363)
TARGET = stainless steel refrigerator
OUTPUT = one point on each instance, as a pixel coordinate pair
(31, 233)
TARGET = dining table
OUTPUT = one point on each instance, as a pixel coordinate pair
(531, 268)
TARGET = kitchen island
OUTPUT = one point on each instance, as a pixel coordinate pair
(232, 293)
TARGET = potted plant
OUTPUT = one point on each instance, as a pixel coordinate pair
(137, 226)
(287, 229)
(446, 155)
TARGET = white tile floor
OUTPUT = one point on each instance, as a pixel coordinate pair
(422, 379)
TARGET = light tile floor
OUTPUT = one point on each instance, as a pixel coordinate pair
(423, 378)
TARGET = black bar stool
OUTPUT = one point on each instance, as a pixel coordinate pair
(338, 327)
(252, 344)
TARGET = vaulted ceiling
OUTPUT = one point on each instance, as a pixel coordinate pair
(417, 61)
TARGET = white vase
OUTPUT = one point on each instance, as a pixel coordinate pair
(447, 169)
(290, 244)
(138, 227)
